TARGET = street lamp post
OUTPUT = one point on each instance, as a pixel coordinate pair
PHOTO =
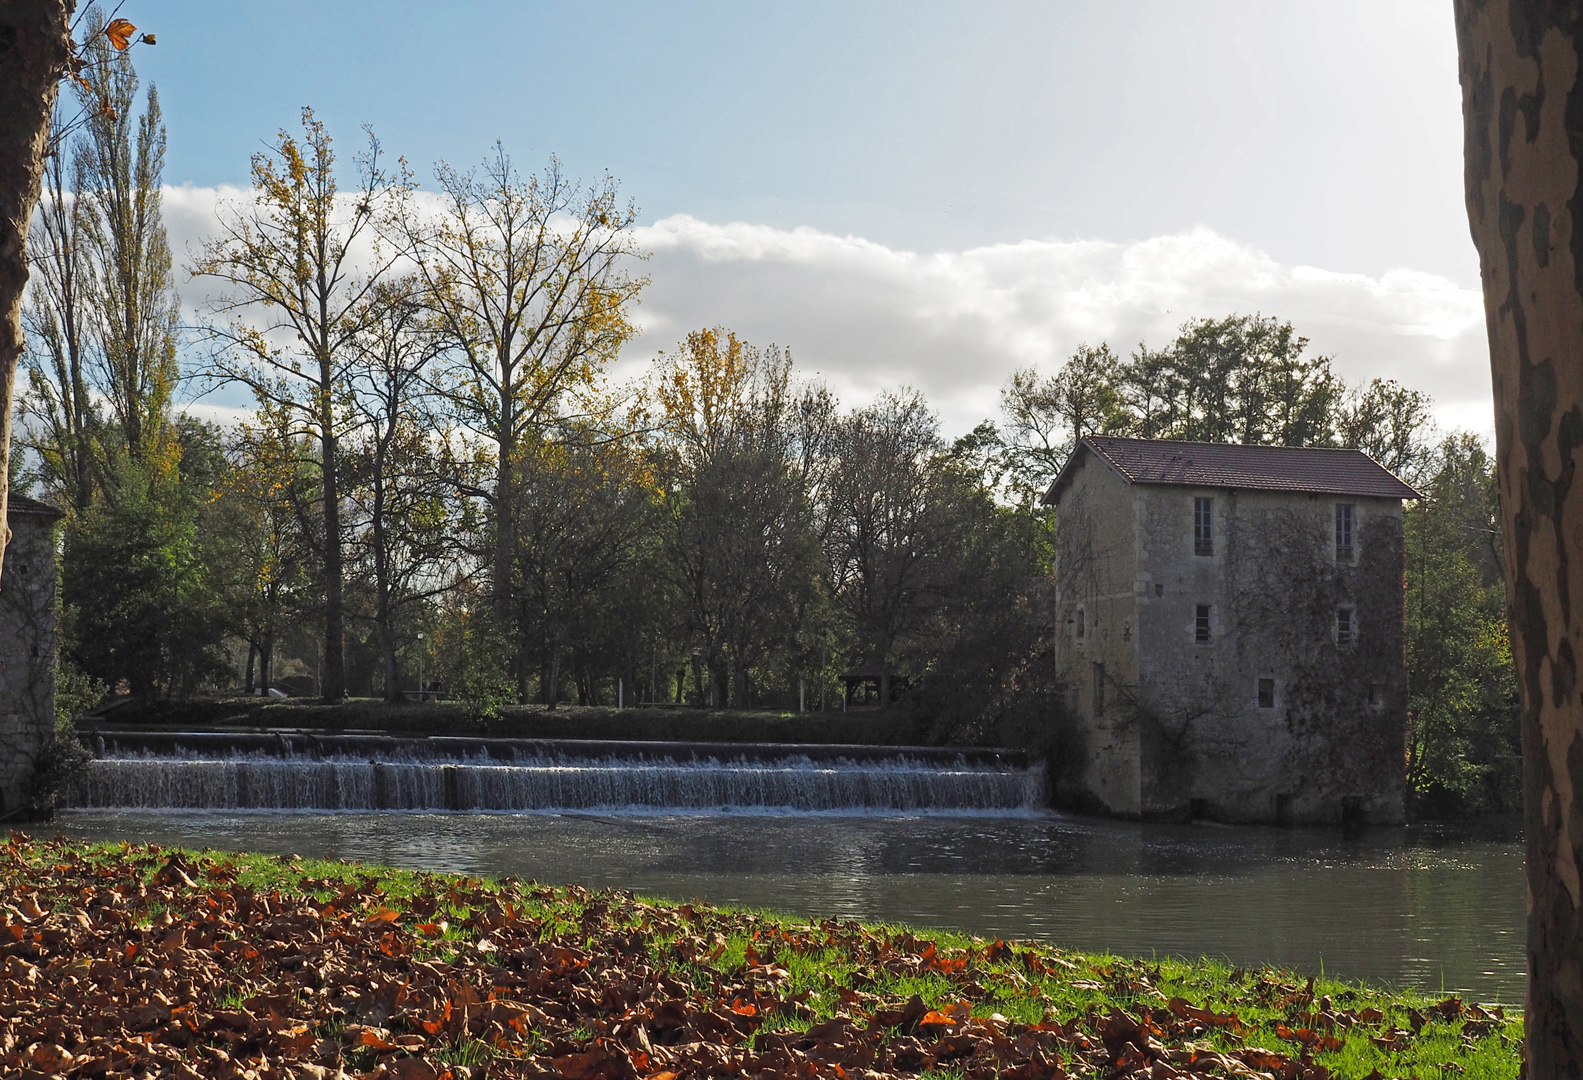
(420, 665)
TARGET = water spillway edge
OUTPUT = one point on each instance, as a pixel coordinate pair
(219, 771)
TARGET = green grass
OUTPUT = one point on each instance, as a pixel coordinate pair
(829, 969)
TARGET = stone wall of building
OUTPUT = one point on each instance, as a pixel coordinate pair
(1184, 715)
(27, 651)
(1097, 760)
(1327, 740)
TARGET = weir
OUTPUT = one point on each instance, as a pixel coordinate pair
(296, 771)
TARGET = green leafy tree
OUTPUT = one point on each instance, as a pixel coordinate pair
(1465, 746)
(1389, 422)
(588, 498)
(472, 657)
(743, 551)
(1047, 415)
(133, 578)
(1243, 378)
(974, 636)
(884, 545)
(260, 545)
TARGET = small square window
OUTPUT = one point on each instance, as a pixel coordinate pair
(1346, 629)
(1344, 530)
(1266, 693)
(1201, 623)
(1203, 526)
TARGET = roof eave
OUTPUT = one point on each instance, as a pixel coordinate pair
(1063, 478)
(1409, 492)
(22, 506)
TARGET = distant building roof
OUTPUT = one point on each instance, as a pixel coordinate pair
(21, 504)
(1318, 470)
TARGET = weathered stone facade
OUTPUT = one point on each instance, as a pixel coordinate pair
(1225, 654)
(27, 649)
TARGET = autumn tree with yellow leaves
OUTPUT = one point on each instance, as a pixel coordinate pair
(528, 280)
(742, 550)
(297, 264)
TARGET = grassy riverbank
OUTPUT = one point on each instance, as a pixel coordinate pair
(127, 960)
(895, 727)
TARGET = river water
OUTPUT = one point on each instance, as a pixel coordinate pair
(1426, 907)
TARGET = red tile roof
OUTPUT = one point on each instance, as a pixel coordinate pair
(1319, 470)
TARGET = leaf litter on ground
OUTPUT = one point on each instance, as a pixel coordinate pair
(134, 961)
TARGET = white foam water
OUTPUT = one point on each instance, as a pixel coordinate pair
(343, 783)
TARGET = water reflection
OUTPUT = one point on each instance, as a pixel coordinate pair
(1430, 908)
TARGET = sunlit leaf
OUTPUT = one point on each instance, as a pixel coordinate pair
(120, 34)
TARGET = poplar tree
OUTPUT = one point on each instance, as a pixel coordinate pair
(118, 164)
(37, 52)
(102, 312)
(60, 414)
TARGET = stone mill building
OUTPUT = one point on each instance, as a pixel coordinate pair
(1230, 632)
(27, 649)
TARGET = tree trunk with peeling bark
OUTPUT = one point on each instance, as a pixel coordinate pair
(35, 43)
(1522, 103)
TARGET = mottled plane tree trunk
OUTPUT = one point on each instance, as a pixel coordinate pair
(35, 44)
(1522, 102)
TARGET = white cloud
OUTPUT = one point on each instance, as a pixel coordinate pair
(212, 412)
(955, 324)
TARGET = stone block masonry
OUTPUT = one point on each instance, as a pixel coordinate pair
(28, 607)
(1230, 633)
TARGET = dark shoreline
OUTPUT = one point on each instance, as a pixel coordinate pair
(892, 728)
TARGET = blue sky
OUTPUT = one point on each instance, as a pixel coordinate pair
(981, 179)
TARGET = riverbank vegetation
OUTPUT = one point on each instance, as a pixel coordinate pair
(133, 960)
(442, 483)
(894, 727)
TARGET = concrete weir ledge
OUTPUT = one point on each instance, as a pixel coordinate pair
(300, 771)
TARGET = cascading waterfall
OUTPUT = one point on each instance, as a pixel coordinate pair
(373, 773)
